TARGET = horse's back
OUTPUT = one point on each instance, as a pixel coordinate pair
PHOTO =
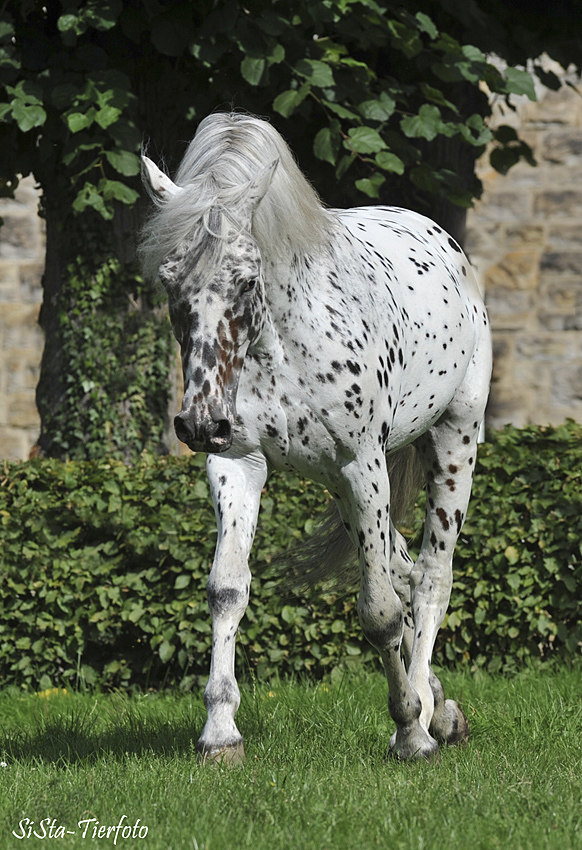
(414, 246)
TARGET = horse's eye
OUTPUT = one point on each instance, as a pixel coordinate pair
(247, 286)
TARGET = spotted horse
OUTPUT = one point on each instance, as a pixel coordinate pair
(325, 342)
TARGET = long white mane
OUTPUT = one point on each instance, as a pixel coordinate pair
(227, 153)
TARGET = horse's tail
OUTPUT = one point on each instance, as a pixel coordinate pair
(328, 556)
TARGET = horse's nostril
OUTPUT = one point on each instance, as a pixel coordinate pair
(222, 430)
(182, 431)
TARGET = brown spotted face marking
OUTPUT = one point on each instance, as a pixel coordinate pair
(216, 314)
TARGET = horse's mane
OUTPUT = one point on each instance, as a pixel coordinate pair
(228, 151)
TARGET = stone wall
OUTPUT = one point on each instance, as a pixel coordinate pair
(524, 237)
(21, 339)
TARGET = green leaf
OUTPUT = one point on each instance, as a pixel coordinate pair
(252, 70)
(371, 185)
(107, 115)
(316, 72)
(390, 162)
(77, 121)
(520, 82)
(425, 125)
(326, 144)
(512, 554)
(182, 581)
(288, 101)
(114, 190)
(341, 111)
(277, 55)
(504, 134)
(364, 140)
(426, 25)
(70, 22)
(28, 117)
(436, 96)
(379, 109)
(6, 31)
(166, 651)
(475, 131)
(124, 162)
(513, 580)
(88, 196)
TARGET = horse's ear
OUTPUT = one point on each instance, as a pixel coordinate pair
(260, 184)
(157, 183)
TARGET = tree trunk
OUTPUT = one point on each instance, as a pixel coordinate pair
(50, 391)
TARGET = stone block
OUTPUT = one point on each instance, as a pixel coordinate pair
(20, 238)
(19, 326)
(9, 282)
(481, 237)
(507, 407)
(568, 236)
(31, 291)
(566, 384)
(564, 147)
(562, 107)
(22, 369)
(546, 347)
(15, 444)
(562, 262)
(21, 410)
(510, 309)
(502, 206)
(502, 356)
(566, 203)
(516, 270)
(524, 234)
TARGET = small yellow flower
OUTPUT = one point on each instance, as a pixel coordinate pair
(53, 692)
(271, 694)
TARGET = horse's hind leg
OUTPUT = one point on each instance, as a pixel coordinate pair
(364, 506)
(236, 490)
(401, 566)
(448, 453)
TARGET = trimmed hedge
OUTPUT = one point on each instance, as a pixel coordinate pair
(104, 569)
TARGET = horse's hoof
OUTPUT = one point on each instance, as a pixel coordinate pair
(413, 747)
(229, 756)
(451, 726)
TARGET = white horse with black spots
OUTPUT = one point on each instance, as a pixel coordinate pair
(322, 341)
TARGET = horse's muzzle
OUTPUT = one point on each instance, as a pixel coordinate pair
(209, 432)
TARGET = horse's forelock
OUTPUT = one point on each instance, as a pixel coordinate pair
(225, 156)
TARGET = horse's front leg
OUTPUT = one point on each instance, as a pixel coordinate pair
(236, 486)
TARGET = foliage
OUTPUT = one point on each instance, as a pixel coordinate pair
(373, 81)
(104, 568)
(117, 347)
(518, 562)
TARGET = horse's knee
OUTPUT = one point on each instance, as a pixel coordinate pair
(225, 600)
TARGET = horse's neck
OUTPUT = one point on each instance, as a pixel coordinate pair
(269, 348)
(289, 286)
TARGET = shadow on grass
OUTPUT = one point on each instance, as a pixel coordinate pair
(112, 727)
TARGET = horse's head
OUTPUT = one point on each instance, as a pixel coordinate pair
(216, 300)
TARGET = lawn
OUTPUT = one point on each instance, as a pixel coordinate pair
(317, 775)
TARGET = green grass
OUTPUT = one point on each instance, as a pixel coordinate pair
(316, 775)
